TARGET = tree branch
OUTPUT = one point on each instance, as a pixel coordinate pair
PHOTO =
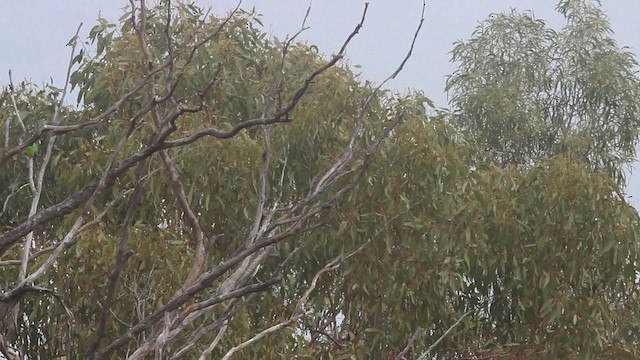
(423, 356)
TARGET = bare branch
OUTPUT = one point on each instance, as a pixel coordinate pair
(37, 184)
(261, 335)
(207, 352)
(262, 187)
(232, 308)
(413, 43)
(13, 193)
(15, 104)
(413, 338)
(423, 356)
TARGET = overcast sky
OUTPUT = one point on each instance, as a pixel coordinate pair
(34, 34)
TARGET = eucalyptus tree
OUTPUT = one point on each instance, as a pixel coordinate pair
(201, 153)
(525, 91)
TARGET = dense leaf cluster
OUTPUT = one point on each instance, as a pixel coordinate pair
(526, 92)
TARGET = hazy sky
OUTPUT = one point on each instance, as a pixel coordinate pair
(34, 34)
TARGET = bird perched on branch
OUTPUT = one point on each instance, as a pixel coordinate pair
(31, 150)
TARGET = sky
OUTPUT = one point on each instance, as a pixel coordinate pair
(34, 34)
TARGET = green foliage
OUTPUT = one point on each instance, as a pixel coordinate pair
(526, 92)
(527, 251)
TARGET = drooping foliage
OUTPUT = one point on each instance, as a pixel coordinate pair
(525, 91)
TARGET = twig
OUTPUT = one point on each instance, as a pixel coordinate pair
(413, 43)
(261, 335)
(413, 338)
(423, 356)
(13, 193)
(15, 104)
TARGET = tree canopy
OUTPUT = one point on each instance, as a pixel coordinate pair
(221, 193)
(526, 91)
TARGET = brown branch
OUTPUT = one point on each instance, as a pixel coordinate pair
(297, 313)
(177, 185)
(196, 311)
(235, 294)
(122, 255)
(280, 115)
(325, 334)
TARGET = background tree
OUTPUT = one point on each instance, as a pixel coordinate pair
(526, 92)
(217, 186)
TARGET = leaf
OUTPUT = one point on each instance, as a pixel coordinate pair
(544, 280)
(570, 221)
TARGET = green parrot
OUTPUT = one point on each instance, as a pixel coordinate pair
(31, 150)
